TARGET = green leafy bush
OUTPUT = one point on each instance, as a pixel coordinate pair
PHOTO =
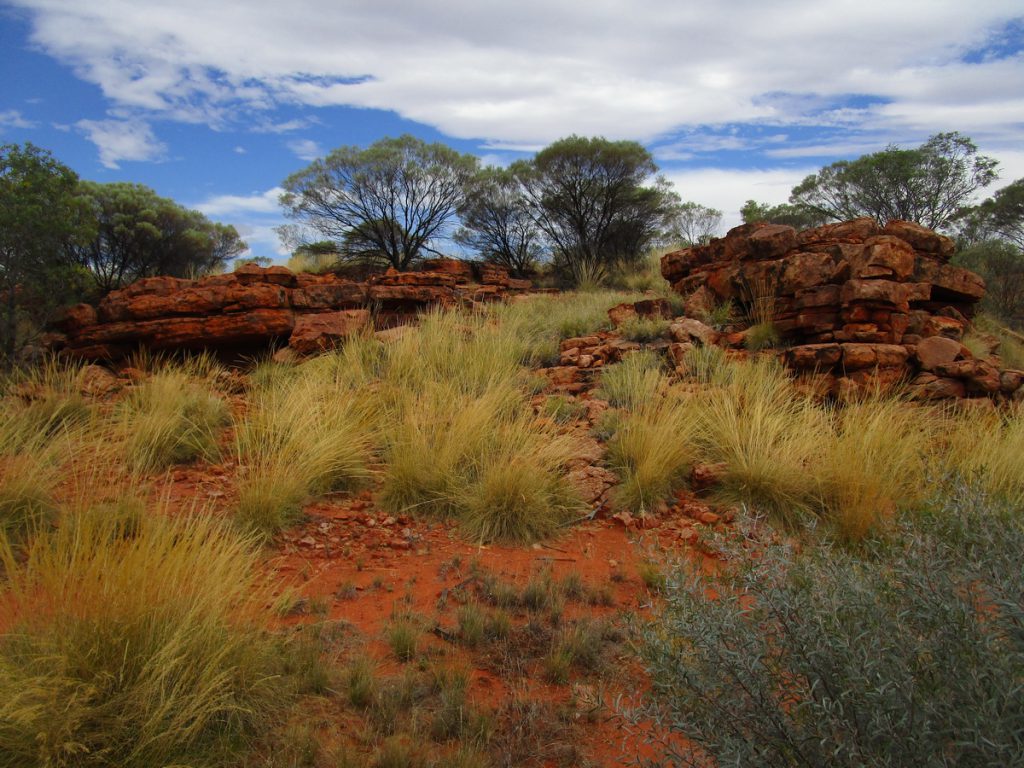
(909, 652)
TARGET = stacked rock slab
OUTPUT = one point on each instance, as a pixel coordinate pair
(858, 304)
(256, 306)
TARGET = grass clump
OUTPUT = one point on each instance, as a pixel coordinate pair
(652, 451)
(27, 485)
(133, 650)
(299, 437)
(634, 381)
(170, 418)
(563, 410)
(644, 329)
(403, 637)
(761, 336)
(904, 652)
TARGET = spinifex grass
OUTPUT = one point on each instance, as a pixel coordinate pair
(172, 417)
(652, 450)
(133, 647)
(300, 436)
(633, 382)
(459, 436)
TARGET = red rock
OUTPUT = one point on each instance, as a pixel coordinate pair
(687, 329)
(621, 313)
(856, 356)
(1010, 381)
(771, 240)
(492, 274)
(886, 256)
(811, 356)
(943, 326)
(315, 333)
(343, 294)
(461, 270)
(699, 303)
(75, 318)
(803, 270)
(877, 291)
(854, 231)
(937, 350)
(929, 387)
(921, 238)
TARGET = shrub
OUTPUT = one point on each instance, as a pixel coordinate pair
(133, 648)
(634, 381)
(908, 653)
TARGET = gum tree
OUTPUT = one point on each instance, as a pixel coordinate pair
(929, 185)
(390, 202)
(40, 214)
(598, 201)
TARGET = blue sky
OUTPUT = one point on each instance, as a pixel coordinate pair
(215, 103)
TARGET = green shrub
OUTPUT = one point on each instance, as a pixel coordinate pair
(562, 409)
(909, 652)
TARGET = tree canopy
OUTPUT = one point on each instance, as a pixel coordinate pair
(497, 220)
(695, 224)
(40, 215)
(389, 202)
(929, 185)
(137, 234)
(799, 217)
(1003, 213)
(596, 200)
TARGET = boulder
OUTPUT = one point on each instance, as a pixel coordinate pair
(317, 332)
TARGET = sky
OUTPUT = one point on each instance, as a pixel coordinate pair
(215, 103)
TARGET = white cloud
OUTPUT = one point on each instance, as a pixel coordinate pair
(727, 190)
(239, 150)
(12, 118)
(229, 205)
(526, 73)
(305, 149)
(119, 140)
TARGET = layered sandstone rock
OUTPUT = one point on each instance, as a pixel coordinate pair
(860, 306)
(256, 306)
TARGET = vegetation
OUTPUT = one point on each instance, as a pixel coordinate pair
(695, 224)
(134, 647)
(387, 203)
(40, 215)
(497, 221)
(798, 216)
(929, 185)
(136, 233)
(593, 200)
(905, 653)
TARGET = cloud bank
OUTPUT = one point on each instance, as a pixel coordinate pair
(529, 72)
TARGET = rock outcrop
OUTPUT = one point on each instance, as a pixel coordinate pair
(859, 306)
(258, 307)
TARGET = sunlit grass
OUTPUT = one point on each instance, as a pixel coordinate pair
(133, 645)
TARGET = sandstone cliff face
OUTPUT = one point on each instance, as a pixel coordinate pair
(254, 307)
(860, 306)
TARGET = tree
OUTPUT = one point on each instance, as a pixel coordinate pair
(390, 201)
(594, 200)
(797, 216)
(929, 185)
(1003, 213)
(39, 216)
(497, 220)
(140, 234)
(1001, 264)
(695, 224)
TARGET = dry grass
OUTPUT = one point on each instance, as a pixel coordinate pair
(652, 450)
(300, 436)
(171, 418)
(633, 382)
(132, 646)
